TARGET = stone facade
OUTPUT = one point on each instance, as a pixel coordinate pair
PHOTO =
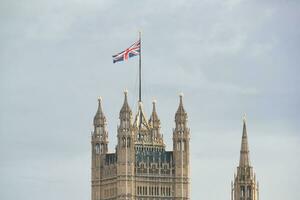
(140, 168)
(244, 186)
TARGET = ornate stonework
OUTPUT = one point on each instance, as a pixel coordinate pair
(244, 186)
(141, 168)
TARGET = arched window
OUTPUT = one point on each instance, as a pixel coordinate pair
(128, 142)
(97, 148)
(101, 148)
(242, 191)
(249, 192)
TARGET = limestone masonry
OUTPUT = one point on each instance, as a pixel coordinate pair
(141, 168)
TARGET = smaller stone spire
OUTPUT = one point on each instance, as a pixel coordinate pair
(181, 115)
(140, 120)
(125, 108)
(154, 121)
(244, 153)
(99, 118)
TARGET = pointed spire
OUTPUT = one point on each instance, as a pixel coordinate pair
(244, 153)
(181, 115)
(99, 118)
(154, 120)
(140, 118)
(125, 108)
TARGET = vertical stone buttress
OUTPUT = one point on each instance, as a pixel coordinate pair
(99, 144)
(244, 186)
(181, 151)
(125, 153)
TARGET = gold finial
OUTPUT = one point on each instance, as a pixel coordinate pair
(99, 98)
(125, 91)
(181, 94)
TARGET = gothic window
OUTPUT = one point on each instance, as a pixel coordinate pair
(101, 148)
(249, 192)
(124, 141)
(97, 148)
(242, 191)
(178, 146)
(128, 142)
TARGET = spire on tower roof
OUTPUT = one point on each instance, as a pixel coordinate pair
(181, 115)
(125, 108)
(244, 153)
(99, 118)
(140, 120)
(154, 120)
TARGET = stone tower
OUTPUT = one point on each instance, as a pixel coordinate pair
(244, 186)
(125, 152)
(99, 148)
(181, 151)
(141, 167)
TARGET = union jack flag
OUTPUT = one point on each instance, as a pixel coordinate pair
(133, 50)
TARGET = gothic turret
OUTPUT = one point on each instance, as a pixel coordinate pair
(181, 151)
(244, 186)
(181, 115)
(125, 128)
(125, 150)
(99, 149)
(100, 135)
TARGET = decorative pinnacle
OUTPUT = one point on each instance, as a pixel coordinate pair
(100, 105)
(153, 101)
(244, 118)
(99, 117)
(154, 105)
(125, 91)
(180, 99)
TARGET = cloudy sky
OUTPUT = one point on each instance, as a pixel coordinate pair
(228, 57)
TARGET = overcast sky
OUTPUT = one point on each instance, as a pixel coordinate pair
(228, 57)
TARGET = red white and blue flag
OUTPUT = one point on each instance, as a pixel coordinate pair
(133, 50)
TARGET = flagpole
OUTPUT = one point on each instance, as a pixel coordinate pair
(140, 69)
(140, 83)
